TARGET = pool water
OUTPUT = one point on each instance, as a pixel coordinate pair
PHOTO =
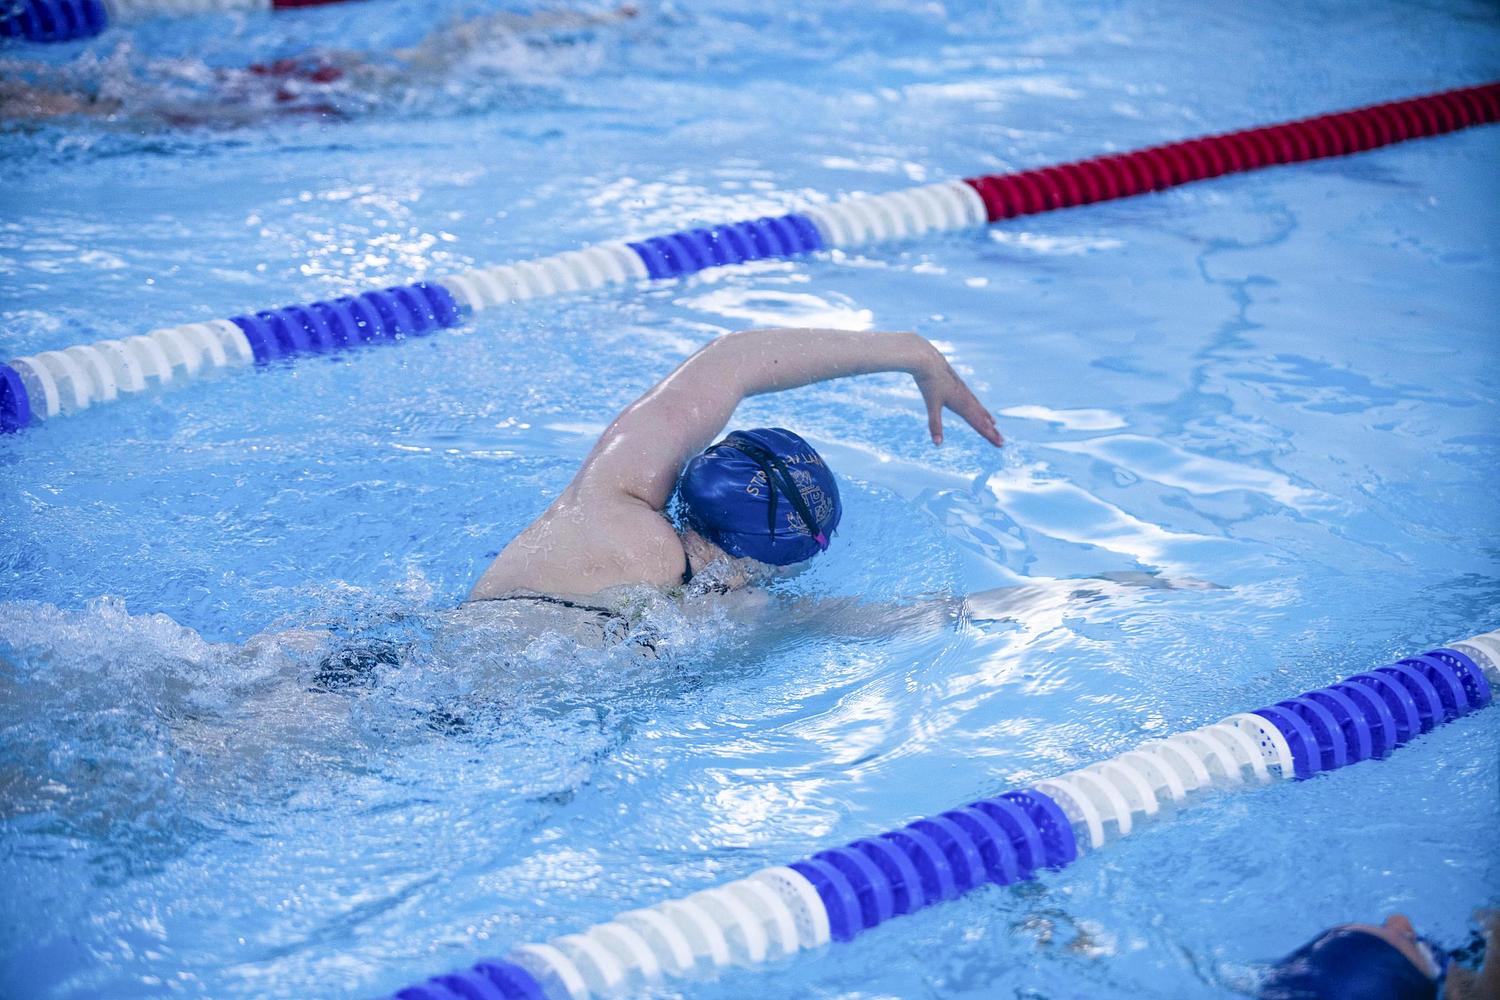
(1283, 384)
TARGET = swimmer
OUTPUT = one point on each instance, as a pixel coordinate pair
(754, 502)
(655, 504)
(317, 83)
(1389, 961)
(664, 522)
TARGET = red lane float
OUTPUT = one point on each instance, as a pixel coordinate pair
(1120, 175)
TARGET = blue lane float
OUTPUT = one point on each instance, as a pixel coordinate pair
(350, 321)
(840, 892)
(68, 20)
(1370, 714)
(692, 250)
(15, 404)
(54, 20)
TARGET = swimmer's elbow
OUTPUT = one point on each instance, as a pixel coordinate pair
(737, 364)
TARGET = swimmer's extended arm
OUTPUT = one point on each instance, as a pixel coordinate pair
(606, 528)
(452, 42)
(33, 102)
(1037, 604)
(642, 452)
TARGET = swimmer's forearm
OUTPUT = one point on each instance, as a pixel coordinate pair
(761, 361)
(641, 453)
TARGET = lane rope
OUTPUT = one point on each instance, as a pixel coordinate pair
(841, 892)
(68, 20)
(39, 387)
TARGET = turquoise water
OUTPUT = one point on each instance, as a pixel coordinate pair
(1283, 383)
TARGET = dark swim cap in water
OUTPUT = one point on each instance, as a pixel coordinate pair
(1347, 964)
(763, 493)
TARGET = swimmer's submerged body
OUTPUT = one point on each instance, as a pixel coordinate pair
(319, 83)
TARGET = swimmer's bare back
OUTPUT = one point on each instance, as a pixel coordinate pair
(608, 527)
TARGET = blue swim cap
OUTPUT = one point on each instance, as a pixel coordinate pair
(1347, 964)
(763, 493)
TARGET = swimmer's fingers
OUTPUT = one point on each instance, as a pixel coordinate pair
(934, 416)
(976, 416)
(944, 389)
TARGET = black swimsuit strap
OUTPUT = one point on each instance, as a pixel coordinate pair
(644, 640)
(559, 601)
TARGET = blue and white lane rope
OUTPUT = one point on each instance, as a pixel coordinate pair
(68, 20)
(840, 892)
(41, 386)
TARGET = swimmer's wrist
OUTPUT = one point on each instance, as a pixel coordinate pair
(922, 358)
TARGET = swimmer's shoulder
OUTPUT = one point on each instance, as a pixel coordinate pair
(579, 547)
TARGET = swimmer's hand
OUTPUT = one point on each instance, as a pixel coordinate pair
(942, 388)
